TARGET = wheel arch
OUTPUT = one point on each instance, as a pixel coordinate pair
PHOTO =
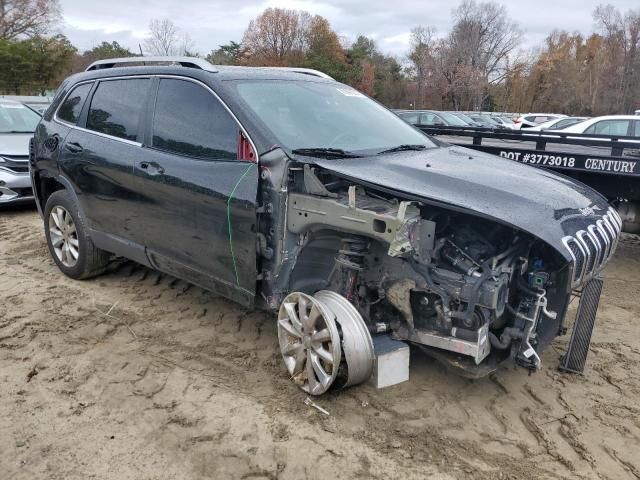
(45, 185)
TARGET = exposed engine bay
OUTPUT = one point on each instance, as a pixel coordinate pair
(470, 291)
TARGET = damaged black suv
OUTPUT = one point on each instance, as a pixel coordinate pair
(285, 190)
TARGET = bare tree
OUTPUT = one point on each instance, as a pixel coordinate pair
(164, 39)
(27, 17)
(479, 47)
(422, 60)
(622, 42)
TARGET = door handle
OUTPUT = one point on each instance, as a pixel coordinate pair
(151, 167)
(73, 147)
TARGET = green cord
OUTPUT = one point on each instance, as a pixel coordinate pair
(233, 257)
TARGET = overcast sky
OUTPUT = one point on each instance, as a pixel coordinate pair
(214, 22)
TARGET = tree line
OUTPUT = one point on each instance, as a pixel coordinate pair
(479, 64)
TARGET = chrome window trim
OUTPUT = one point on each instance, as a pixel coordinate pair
(82, 129)
(55, 114)
(110, 137)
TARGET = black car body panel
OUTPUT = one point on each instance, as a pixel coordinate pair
(542, 203)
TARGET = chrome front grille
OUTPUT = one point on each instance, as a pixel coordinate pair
(15, 163)
(592, 248)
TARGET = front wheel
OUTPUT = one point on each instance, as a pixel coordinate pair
(68, 239)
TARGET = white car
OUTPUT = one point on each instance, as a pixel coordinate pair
(618, 125)
(558, 124)
(17, 124)
(534, 119)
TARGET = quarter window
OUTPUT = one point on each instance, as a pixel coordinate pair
(72, 106)
(190, 121)
(116, 106)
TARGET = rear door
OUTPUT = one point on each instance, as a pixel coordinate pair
(51, 132)
(98, 157)
(198, 199)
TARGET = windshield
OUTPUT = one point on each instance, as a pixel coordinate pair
(326, 115)
(452, 120)
(16, 118)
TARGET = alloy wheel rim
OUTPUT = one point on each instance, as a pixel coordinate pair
(64, 236)
(309, 342)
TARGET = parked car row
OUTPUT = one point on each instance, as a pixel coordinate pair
(616, 125)
(433, 118)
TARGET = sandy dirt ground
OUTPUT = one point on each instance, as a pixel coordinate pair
(136, 375)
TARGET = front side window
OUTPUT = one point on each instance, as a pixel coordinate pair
(116, 107)
(428, 119)
(609, 127)
(307, 114)
(16, 118)
(70, 109)
(452, 120)
(189, 120)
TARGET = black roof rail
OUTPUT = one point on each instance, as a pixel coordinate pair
(189, 62)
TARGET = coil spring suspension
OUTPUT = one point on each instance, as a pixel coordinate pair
(350, 261)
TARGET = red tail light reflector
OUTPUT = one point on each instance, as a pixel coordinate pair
(245, 150)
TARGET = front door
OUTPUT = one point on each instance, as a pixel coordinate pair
(198, 199)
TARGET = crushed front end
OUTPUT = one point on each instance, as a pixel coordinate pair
(471, 291)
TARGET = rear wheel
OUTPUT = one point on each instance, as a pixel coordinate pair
(68, 239)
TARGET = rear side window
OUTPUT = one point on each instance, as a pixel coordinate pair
(636, 133)
(411, 118)
(567, 122)
(70, 109)
(116, 106)
(609, 127)
(189, 120)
